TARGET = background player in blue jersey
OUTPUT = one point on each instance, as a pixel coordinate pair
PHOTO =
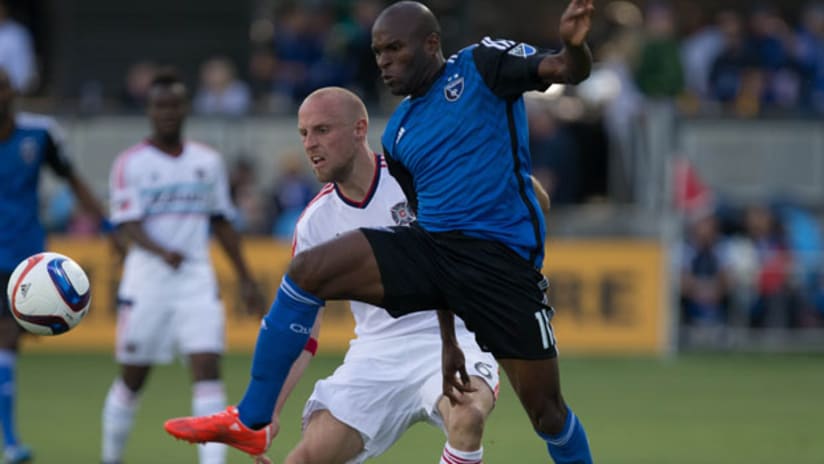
(458, 146)
(27, 142)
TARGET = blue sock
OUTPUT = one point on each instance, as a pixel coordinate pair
(7, 397)
(283, 334)
(571, 445)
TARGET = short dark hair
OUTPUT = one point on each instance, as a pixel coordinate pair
(166, 77)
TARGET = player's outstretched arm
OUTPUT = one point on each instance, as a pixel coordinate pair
(574, 63)
(230, 241)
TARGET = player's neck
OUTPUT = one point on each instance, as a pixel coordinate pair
(359, 182)
(429, 77)
(170, 145)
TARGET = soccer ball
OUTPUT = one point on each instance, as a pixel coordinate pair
(48, 293)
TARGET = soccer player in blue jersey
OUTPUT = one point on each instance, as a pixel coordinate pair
(458, 146)
(27, 143)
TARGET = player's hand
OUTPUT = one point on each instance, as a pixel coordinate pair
(262, 459)
(172, 258)
(252, 297)
(576, 22)
(455, 378)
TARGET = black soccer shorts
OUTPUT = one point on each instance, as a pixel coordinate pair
(500, 296)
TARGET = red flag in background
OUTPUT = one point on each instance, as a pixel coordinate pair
(692, 196)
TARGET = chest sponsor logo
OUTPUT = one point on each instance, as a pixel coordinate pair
(401, 214)
(454, 88)
(177, 198)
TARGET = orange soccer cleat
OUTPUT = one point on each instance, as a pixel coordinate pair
(223, 427)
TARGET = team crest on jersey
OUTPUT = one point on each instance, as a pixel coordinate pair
(401, 214)
(28, 150)
(523, 50)
(454, 88)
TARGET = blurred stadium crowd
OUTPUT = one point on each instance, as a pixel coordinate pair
(750, 265)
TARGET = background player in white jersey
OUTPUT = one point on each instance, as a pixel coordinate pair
(391, 376)
(166, 193)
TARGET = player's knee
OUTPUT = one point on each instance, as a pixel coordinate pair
(548, 416)
(467, 421)
(205, 369)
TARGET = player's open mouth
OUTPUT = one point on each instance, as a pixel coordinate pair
(316, 160)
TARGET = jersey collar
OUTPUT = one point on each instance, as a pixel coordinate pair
(369, 193)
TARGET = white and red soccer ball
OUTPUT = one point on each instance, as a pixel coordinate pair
(48, 293)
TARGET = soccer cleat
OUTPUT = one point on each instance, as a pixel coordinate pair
(223, 427)
(17, 454)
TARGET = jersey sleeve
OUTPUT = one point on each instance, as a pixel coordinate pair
(509, 68)
(124, 199)
(222, 200)
(302, 238)
(54, 154)
(404, 179)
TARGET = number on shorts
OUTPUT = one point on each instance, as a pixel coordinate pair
(547, 337)
(484, 369)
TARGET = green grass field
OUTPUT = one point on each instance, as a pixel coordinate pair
(693, 410)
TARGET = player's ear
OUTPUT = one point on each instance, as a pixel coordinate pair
(432, 43)
(361, 128)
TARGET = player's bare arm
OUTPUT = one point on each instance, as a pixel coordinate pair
(230, 241)
(84, 194)
(295, 374)
(134, 231)
(543, 197)
(574, 63)
(453, 362)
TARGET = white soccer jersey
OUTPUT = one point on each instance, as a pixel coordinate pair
(174, 197)
(330, 214)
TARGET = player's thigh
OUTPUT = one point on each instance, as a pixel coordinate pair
(500, 296)
(341, 269)
(326, 440)
(145, 330)
(409, 271)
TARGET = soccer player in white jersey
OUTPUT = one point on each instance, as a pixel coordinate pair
(391, 376)
(167, 193)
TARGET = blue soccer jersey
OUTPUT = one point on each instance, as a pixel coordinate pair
(31, 145)
(461, 151)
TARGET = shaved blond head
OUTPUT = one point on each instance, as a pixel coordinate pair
(343, 103)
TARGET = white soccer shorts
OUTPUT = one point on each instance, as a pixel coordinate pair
(156, 324)
(385, 386)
